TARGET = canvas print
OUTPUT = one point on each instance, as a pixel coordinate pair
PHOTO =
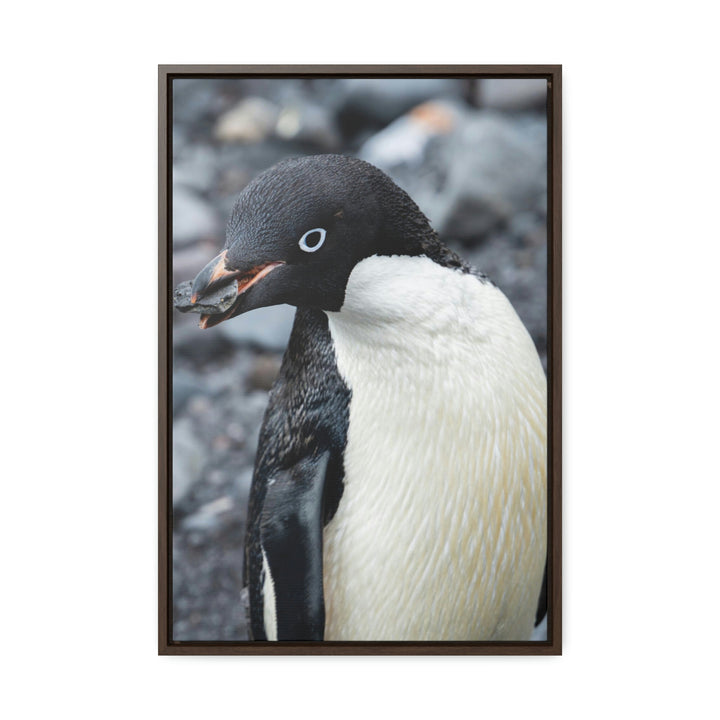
(359, 359)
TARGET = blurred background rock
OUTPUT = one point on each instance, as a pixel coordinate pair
(472, 154)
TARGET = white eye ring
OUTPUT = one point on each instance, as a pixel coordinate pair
(303, 240)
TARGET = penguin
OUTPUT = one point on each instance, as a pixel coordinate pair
(399, 489)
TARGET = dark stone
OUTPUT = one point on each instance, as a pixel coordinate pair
(263, 372)
(368, 104)
(217, 302)
(192, 343)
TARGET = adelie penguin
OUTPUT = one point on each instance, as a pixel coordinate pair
(399, 490)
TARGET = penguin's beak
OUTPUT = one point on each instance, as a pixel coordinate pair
(215, 275)
(212, 276)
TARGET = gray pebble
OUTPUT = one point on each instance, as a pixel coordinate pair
(267, 328)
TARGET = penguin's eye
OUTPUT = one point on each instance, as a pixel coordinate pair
(312, 240)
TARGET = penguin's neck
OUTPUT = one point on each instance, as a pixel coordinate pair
(398, 299)
(408, 300)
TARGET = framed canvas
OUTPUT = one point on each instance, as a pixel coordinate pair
(400, 227)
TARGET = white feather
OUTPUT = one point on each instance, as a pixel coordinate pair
(269, 609)
(441, 530)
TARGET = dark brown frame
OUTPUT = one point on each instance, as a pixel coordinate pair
(166, 646)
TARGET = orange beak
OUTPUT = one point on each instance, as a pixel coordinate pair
(215, 275)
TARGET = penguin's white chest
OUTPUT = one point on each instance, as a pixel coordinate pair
(441, 530)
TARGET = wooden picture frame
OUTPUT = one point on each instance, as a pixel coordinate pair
(167, 645)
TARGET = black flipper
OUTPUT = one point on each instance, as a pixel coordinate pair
(291, 529)
(298, 474)
(542, 601)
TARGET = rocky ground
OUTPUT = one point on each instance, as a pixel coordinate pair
(472, 154)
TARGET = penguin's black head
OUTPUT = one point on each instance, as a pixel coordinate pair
(299, 228)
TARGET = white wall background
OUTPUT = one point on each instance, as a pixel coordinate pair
(79, 351)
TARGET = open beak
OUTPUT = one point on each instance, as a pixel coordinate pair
(216, 275)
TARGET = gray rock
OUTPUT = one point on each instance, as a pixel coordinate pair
(195, 168)
(192, 343)
(179, 139)
(512, 93)
(524, 226)
(306, 122)
(209, 516)
(267, 328)
(196, 100)
(188, 261)
(188, 459)
(375, 102)
(185, 385)
(519, 269)
(405, 140)
(494, 170)
(193, 218)
(243, 480)
(264, 370)
(252, 120)
(471, 172)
